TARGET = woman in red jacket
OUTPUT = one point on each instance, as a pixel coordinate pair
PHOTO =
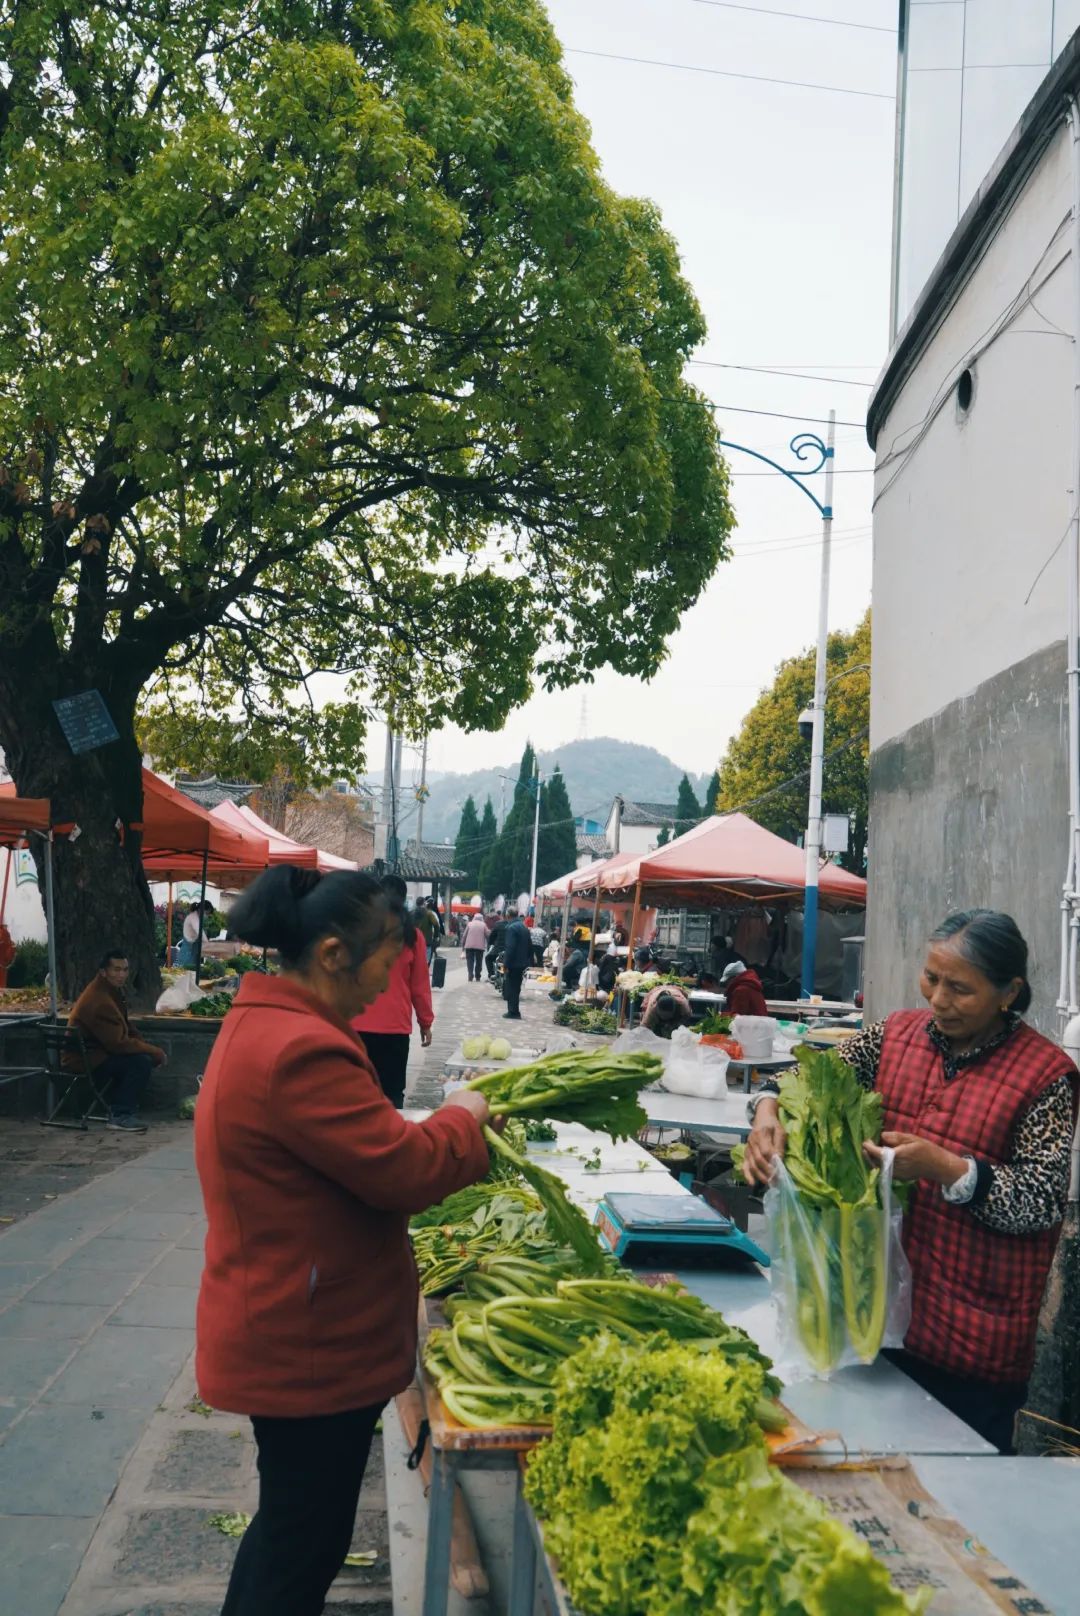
(307, 1308)
(980, 1110)
(744, 991)
(386, 1025)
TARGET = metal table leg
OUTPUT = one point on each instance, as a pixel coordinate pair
(523, 1564)
(440, 1526)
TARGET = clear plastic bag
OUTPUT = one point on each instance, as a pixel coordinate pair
(695, 1068)
(839, 1277)
(181, 994)
(640, 1041)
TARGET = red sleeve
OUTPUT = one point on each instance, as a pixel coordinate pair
(420, 987)
(329, 1110)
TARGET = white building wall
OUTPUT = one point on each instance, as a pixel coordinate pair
(968, 765)
(969, 508)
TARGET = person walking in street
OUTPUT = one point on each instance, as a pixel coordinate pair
(386, 1026)
(119, 1059)
(496, 944)
(517, 957)
(424, 922)
(474, 943)
(307, 1308)
(980, 1112)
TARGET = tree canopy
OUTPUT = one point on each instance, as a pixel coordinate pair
(467, 853)
(488, 836)
(326, 348)
(712, 796)
(767, 767)
(687, 807)
(557, 848)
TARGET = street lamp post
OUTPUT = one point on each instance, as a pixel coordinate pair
(805, 445)
(536, 835)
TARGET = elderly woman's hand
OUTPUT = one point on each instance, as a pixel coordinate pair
(915, 1158)
(766, 1142)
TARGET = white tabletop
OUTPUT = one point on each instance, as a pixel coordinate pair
(725, 1115)
(810, 1007)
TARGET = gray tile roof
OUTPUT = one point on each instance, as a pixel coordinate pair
(427, 861)
(595, 846)
(209, 793)
(648, 813)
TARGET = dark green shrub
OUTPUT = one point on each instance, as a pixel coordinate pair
(30, 966)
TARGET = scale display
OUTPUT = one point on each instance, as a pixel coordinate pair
(645, 1228)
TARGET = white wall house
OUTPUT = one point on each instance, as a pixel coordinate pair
(976, 493)
(634, 827)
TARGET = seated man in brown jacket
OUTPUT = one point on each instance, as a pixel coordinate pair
(116, 1054)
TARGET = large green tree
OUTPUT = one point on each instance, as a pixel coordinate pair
(712, 795)
(486, 840)
(466, 846)
(767, 767)
(325, 347)
(557, 849)
(687, 807)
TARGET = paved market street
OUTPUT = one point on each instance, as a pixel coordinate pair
(109, 1466)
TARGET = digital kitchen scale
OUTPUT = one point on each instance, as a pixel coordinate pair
(667, 1230)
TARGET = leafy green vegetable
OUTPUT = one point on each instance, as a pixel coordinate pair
(713, 1024)
(567, 1225)
(658, 1499)
(833, 1230)
(594, 1088)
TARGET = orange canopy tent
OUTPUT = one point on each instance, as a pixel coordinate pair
(283, 849)
(181, 840)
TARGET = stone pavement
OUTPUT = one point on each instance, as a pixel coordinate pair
(110, 1467)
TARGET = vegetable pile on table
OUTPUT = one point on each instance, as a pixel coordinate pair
(654, 1484)
(834, 1230)
(658, 1499)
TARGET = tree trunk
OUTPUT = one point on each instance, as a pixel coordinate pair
(102, 899)
(1054, 1393)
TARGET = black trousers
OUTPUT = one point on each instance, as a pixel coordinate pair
(514, 980)
(389, 1053)
(474, 960)
(310, 1472)
(128, 1076)
(987, 1406)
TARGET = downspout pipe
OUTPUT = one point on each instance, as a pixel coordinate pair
(1068, 1003)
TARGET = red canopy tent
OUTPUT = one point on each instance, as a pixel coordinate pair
(726, 859)
(21, 818)
(283, 849)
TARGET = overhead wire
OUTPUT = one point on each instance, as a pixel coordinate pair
(770, 370)
(728, 73)
(797, 16)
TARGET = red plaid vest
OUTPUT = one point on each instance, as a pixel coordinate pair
(977, 1293)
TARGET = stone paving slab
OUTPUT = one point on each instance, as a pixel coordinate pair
(65, 1459)
(124, 1367)
(39, 1558)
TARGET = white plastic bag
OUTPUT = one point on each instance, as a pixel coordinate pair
(755, 1034)
(182, 993)
(695, 1068)
(641, 1041)
(827, 1315)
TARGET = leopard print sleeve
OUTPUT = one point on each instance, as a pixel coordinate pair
(1031, 1191)
(863, 1053)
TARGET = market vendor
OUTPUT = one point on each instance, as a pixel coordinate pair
(980, 1112)
(307, 1314)
(743, 990)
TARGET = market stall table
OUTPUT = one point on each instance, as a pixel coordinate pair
(979, 1493)
(726, 1115)
(802, 1008)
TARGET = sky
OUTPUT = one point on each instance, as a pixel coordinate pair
(780, 200)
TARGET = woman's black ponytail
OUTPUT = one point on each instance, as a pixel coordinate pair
(291, 909)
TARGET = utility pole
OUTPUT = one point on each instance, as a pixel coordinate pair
(536, 834)
(395, 843)
(384, 822)
(817, 752)
(421, 796)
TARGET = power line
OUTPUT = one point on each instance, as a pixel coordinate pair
(784, 415)
(770, 370)
(726, 73)
(841, 471)
(797, 16)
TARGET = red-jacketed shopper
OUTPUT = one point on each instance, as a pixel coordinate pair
(307, 1307)
(386, 1026)
(744, 991)
(980, 1110)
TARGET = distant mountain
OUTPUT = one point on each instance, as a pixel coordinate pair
(595, 771)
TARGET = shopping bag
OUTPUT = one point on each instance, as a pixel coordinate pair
(438, 971)
(694, 1068)
(839, 1276)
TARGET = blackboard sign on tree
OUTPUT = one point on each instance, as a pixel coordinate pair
(85, 721)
